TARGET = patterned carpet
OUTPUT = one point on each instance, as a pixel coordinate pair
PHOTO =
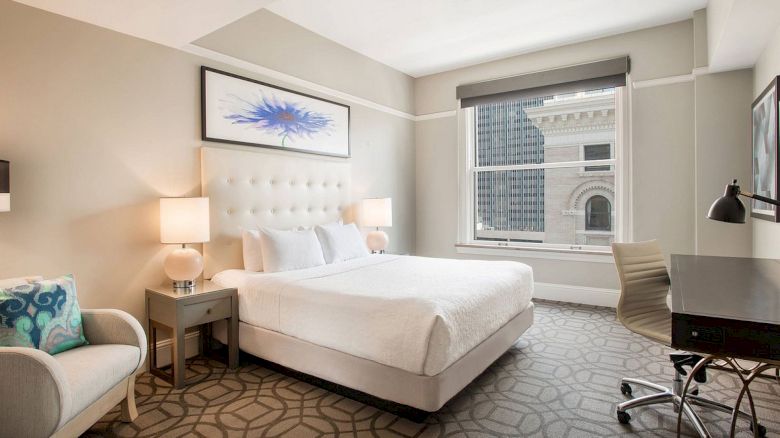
(559, 380)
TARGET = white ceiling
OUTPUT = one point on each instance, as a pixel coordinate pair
(420, 37)
(170, 22)
(737, 31)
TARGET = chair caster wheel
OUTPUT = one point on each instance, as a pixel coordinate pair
(761, 430)
(625, 389)
(623, 417)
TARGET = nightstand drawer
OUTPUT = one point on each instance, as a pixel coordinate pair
(207, 311)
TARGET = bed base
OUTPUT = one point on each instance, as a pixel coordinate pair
(404, 411)
(410, 395)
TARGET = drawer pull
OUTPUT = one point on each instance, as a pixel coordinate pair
(208, 311)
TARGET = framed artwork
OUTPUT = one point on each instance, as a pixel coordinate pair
(239, 110)
(765, 153)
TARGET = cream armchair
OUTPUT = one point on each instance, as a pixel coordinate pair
(65, 394)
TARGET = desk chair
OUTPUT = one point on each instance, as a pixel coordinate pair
(644, 286)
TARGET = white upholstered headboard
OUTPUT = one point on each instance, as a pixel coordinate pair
(280, 190)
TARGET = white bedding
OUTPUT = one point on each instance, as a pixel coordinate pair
(414, 313)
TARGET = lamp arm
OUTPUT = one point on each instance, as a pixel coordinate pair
(759, 197)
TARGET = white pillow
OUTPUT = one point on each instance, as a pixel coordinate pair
(288, 250)
(253, 252)
(341, 242)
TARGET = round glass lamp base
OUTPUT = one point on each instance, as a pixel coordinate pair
(377, 241)
(183, 266)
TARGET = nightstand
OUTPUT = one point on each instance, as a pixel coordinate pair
(171, 309)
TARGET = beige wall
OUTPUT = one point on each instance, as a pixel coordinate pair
(269, 40)
(656, 52)
(98, 125)
(722, 154)
(766, 235)
(672, 178)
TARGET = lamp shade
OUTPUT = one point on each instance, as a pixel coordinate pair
(184, 220)
(5, 185)
(376, 212)
(728, 208)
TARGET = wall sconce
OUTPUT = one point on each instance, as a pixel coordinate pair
(5, 185)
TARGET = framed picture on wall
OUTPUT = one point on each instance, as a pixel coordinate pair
(765, 153)
(239, 110)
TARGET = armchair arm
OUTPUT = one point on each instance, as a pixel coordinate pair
(111, 326)
(36, 398)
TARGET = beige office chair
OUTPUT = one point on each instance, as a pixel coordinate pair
(644, 286)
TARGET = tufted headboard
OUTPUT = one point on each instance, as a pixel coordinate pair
(280, 190)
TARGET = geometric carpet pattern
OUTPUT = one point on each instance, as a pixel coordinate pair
(560, 379)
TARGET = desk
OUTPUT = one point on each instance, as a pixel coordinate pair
(727, 308)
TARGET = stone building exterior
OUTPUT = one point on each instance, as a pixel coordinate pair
(579, 202)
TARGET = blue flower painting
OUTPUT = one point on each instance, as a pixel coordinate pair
(285, 119)
(245, 111)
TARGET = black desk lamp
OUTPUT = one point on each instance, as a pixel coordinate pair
(729, 208)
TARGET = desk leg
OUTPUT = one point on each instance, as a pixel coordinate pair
(745, 389)
(233, 335)
(685, 405)
(178, 359)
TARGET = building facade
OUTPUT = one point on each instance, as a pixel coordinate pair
(561, 205)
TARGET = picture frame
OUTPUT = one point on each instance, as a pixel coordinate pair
(240, 110)
(764, 148)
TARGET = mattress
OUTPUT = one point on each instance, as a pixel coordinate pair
(417, 314)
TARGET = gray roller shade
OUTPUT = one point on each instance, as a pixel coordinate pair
(588, 76)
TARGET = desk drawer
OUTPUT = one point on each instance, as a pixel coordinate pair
(207, 311)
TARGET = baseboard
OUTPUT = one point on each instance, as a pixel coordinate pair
(191, 348)
(577, 294)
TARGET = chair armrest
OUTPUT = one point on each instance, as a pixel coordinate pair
(36, 397)
(111, 326)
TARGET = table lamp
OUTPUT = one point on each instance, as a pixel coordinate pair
(377, 212)
(183, 221)
(729, 208)
(5, 185)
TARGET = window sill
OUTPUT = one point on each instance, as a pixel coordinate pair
(592, 256)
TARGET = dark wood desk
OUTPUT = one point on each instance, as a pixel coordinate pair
(726, 305)
(727, 308)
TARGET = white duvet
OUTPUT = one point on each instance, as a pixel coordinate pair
(414, 313)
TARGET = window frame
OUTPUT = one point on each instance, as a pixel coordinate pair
(584, 169)
(622, 221)
(589, 212)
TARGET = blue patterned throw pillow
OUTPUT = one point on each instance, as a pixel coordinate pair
(42, 314)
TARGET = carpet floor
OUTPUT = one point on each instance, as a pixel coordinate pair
(560, 379)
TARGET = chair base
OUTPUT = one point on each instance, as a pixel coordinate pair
(673, 396)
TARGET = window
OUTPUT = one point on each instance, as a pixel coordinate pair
(592, 152)
(598, 214)
(540, 171)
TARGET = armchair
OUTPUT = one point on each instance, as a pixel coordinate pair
(63, 395)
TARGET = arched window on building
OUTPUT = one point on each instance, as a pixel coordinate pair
(598, 214)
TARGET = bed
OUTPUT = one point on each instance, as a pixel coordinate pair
(410, 330)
